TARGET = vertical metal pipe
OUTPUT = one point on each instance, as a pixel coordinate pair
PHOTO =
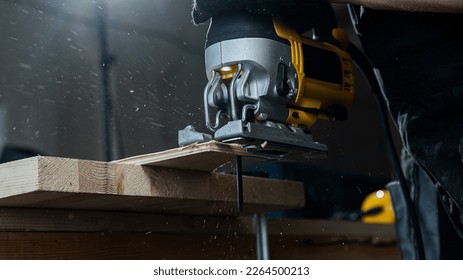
(263, 252)
(105, 64)
(239, 184)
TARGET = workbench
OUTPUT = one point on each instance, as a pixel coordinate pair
(173, 204)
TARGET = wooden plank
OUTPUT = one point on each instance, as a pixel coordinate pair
(18, 177)
(117, 245)
(190, 242)
(304, 230)
(294, 249)
(126, 246)
(204, 156)
(69, 220)
(330, 239)
(49, 182)
(334, 230)
(76, 234)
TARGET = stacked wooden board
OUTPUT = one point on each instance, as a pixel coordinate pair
(167, 205)
(175, 181)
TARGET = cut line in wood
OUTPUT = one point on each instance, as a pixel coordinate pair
(203, 156)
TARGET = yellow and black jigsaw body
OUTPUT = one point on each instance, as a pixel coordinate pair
(268, 85)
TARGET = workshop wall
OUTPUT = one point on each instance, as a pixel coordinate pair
(51, 93)
(51, 79)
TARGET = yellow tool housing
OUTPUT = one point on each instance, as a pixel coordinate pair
(314, 96)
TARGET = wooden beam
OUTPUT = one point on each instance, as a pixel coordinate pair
(333, 230)
(315, 231)
(146, 246)
(77, 234)
(50, 182)
(69, 220)
(125, 246)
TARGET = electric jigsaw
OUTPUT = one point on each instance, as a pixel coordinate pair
(267, 85)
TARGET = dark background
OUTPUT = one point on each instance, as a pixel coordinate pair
(51, 93)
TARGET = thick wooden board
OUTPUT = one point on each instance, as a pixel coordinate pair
(69, 220)
(24, 219)
(77, 234)
(50, 182)
(122, 246)
(204, 156)
(158, 246)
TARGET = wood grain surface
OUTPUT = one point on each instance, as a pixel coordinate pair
(76, 234)
(51, 182)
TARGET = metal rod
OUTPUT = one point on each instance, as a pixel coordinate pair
(261, 237)
(239, 184)
(105, 63)
(260, 220)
